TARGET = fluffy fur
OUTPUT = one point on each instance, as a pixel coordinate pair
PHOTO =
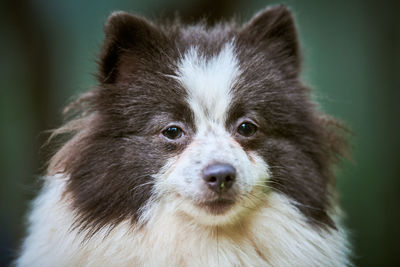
(121, 192)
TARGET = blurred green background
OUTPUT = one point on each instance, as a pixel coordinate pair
(351, 51)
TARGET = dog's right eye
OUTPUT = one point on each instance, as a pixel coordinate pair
(173, 132)
(247, 129)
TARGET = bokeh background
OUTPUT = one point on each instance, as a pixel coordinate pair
(352, 60)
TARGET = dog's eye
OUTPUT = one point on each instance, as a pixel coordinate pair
(173, 132)
(247, 129)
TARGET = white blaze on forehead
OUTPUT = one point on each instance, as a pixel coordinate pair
(209, 82)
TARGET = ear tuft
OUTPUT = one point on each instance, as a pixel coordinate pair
(274, 31)
(124, 34)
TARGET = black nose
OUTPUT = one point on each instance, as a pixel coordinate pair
(219, 177)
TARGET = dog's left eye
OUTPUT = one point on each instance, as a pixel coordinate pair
(173, 132)
(247, 129)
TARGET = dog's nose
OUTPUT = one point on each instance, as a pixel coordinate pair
(219, 177)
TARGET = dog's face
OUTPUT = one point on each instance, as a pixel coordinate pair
(204, 120)
(214, 176)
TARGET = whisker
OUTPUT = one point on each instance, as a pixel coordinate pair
(141, 185)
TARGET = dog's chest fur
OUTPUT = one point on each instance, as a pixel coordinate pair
(275, 235)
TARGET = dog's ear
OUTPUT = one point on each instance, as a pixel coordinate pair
(273, 31)
(127, 39)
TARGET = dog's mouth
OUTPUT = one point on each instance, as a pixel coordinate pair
(218, 206)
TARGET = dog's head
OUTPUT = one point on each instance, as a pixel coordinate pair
(206, 120)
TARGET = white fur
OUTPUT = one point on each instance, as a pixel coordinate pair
(209, 82)
(276, 234)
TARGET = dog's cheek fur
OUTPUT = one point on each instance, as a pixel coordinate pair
(295, 174)
(104, 184)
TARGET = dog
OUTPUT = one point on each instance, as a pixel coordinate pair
(200, 146)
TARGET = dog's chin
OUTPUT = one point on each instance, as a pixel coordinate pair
(217, 207)
(211, 212)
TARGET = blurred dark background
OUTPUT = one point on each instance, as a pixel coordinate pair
(351, 51)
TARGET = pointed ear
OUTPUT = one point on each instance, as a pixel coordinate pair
(125, 36)
(273, 30)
